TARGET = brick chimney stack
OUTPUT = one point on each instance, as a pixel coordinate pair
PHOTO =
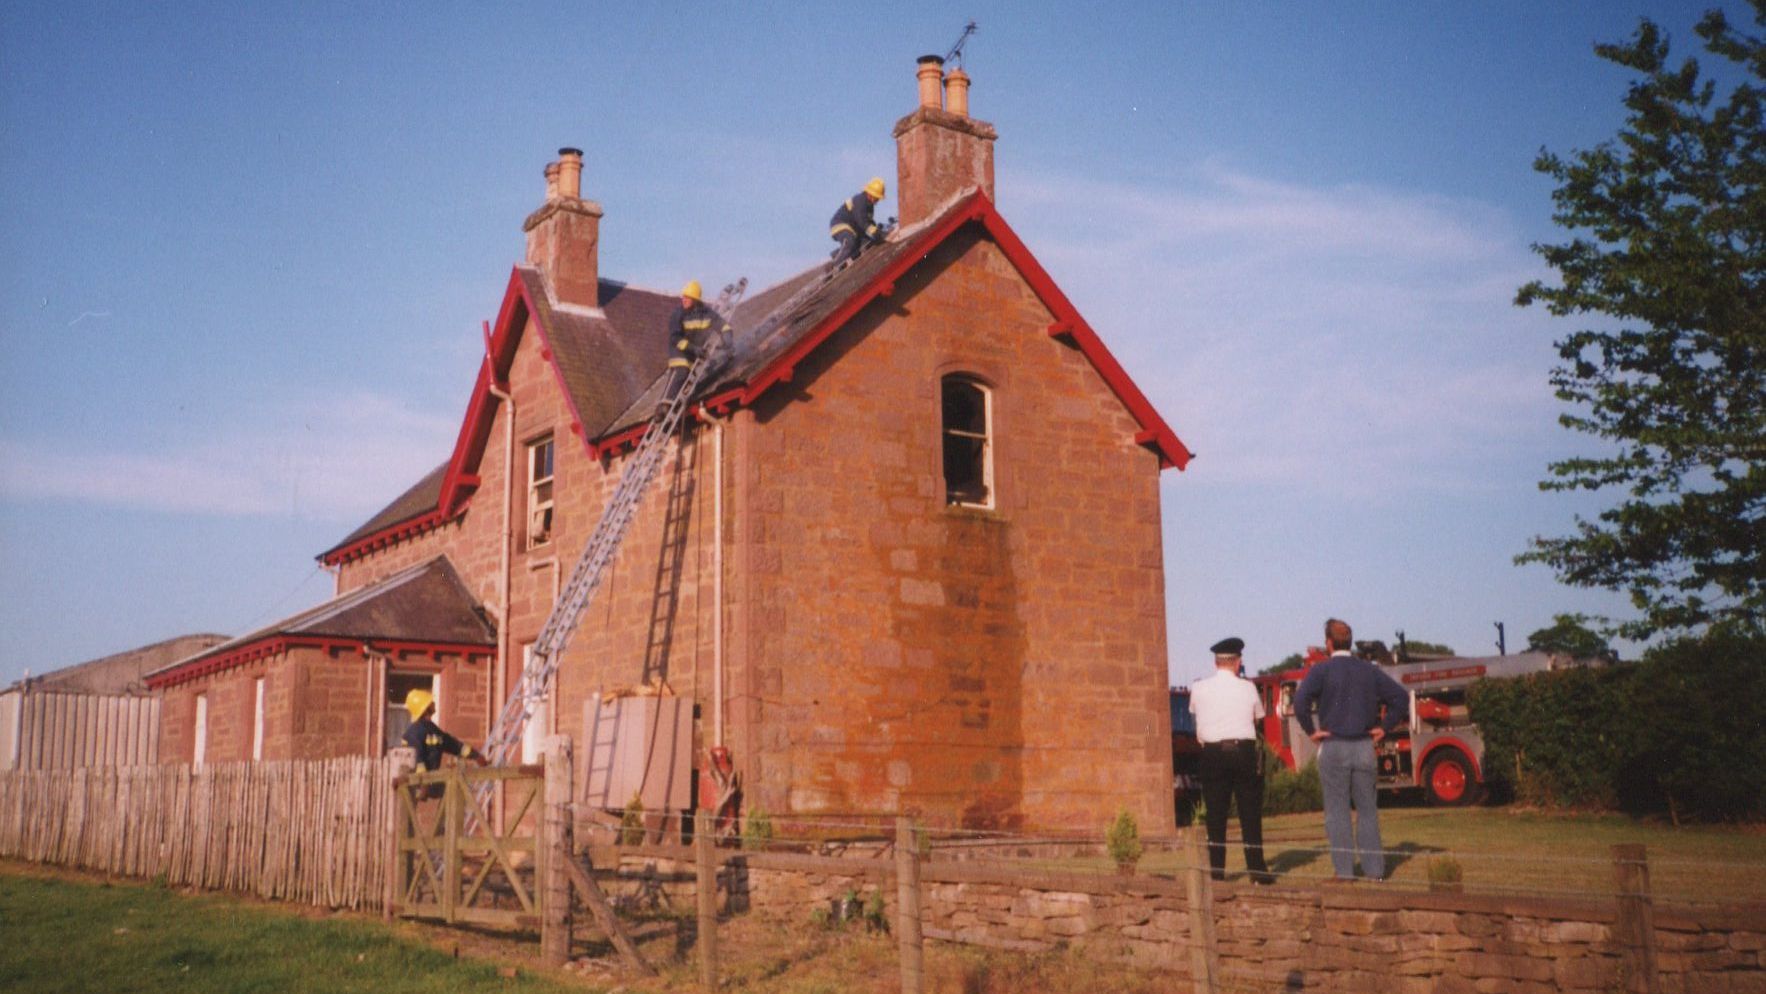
(939, 149)
(564, 235)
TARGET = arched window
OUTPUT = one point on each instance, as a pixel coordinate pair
(968, 442)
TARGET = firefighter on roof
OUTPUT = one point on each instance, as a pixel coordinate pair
(689, 336)
(426, 736)
(852, 225)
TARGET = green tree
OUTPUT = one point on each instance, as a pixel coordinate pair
(1668, 258)
(1570, 635)
(1292, 661)
(1416, 647)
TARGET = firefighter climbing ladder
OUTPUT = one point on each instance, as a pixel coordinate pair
(597, 555)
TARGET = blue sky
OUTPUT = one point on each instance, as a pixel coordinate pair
(245, 254)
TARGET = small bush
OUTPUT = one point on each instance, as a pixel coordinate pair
(876, 915)
(631, 822)
(757, 828)
(1445, 873)
(1123, 840)
(1287, 792)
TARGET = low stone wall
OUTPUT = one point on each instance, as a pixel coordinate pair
(1329, 939)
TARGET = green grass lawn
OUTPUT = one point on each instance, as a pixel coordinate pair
(67, 936)
(1503, 851)
(1508, 851)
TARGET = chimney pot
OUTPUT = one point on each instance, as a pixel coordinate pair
(956, 92)
(570, 173)
(564, 235)
(930, 75)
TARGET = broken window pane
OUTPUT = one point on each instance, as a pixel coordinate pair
(968, 469)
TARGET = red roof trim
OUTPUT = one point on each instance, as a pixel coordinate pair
(1068, 325)
(273, 645)
(1154, 433)
(458, 485)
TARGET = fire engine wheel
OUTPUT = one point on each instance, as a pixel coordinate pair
(1447, 780)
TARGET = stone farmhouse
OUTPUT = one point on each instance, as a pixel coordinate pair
(904, 557)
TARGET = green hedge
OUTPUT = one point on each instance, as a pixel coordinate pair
(1683, 731)
(1286, 791)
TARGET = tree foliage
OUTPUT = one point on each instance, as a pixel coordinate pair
(1291, 661)
(1668, 257)
(1678, 732)
(1417, 647)
(1570, 635)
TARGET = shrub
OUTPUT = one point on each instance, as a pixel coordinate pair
(1287, 792)
(1123, 840)
(757, 828)
(1445, 873)
(631, 822)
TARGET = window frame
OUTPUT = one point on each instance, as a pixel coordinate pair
(987, 438)
(536, 504)
(199, 744)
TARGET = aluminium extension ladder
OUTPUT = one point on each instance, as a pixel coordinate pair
(603, 544)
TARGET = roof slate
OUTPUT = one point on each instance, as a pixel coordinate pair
(611, 359)
(427, 602)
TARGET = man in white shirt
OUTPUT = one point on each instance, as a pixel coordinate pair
(1227, 708)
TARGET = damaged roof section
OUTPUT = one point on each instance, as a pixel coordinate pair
(610, 359)
(425, 606)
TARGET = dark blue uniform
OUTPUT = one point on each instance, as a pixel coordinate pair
(689, 336)
(853, 227)
(430, 741)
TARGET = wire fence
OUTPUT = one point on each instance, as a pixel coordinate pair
(1003, 887)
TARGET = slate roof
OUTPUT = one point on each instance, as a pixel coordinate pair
(610, 359)
(420, 499)
(425, 603)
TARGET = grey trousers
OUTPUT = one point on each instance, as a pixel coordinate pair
(1346, 775)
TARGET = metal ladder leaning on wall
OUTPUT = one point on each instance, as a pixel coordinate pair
(597, 555)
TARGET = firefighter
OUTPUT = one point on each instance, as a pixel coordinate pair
(428, 739)
(689, 335)
(852, 225)
(1227, 709)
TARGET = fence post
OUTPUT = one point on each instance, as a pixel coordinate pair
(555, 854)
(907, 913)
(1634, 928)
(453, 796)
(399, 762)
(706, 891)
(1199, 886)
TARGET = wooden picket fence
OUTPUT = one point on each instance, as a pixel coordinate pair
(306, 831)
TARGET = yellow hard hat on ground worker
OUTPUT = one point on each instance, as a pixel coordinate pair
(417, 702)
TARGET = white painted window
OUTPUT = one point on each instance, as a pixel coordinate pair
(257, 722)
(968, 442)
(200, 753)
(539, 492)
(539, 724)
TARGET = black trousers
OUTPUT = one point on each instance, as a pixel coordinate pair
(1229, 771)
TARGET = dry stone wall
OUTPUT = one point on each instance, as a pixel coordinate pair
(1350, 940)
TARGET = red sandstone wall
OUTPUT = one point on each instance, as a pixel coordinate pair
(986, 668)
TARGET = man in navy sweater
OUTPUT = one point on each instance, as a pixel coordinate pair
(1348, 693)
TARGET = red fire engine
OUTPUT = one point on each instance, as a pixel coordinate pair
(1439, 749)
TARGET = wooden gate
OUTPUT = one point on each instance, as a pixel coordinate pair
(456, 861)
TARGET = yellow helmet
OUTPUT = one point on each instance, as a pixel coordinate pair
(875, 188)
(417, 702)
(693, 291)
